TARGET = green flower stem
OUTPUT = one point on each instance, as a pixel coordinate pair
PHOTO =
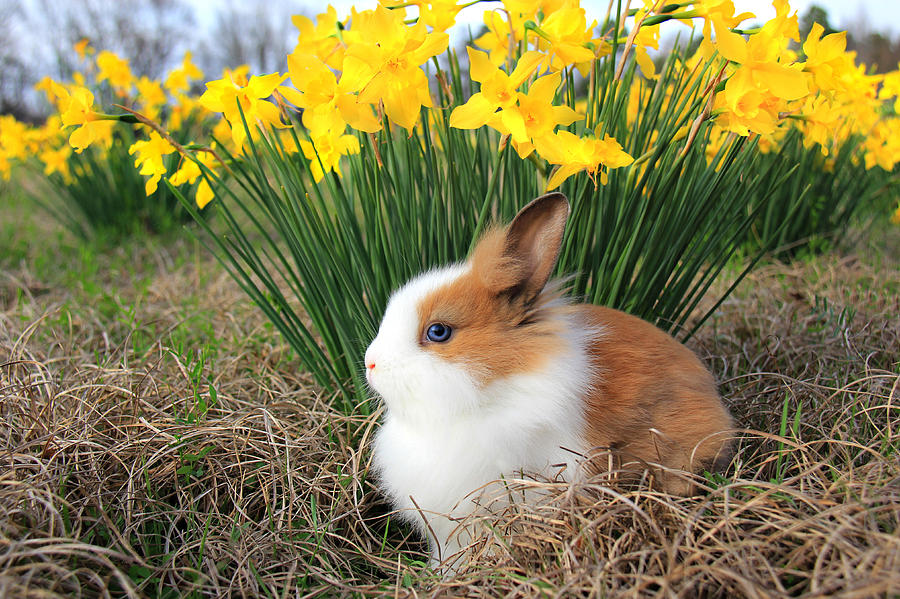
(486, 204)
(539, 164)
(532, 26)
(122, 118)
(668, 8)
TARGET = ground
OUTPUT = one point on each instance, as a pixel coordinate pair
(159, 439)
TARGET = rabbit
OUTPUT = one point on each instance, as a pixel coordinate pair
(486, 370)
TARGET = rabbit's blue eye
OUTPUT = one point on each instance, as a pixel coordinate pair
(438, 332)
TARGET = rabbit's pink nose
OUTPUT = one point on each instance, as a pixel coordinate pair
(369, 359)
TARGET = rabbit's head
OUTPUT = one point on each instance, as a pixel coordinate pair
(450, 333)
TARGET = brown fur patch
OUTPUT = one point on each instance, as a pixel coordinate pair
(494, 268)
(494, 335)
(653, 400)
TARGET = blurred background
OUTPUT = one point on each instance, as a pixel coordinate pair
(37, 36)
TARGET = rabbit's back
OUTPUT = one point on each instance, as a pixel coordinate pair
(652, 399)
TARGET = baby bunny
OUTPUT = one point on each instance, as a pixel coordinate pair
(486, 371)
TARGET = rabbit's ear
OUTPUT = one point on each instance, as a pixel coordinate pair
(519, 259)
(523, 256)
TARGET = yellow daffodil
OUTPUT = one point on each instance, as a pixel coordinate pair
(574, 154)
(722, 10)
(827, 59)
(521, 11)
(647, 37)
(440, 15)
(860, 95)
(222, 131)
(150, 92)
(239, 75)
(820, 121)
(506, 26)
(564, 35)
(56, 161)
(79, 112)
(742, 107)
(38, 139)
(5, 166)
(496, 40)
(190, 171)
(325, 151)
(321, 37)
(758, 58)
(895, 217)
(383, 64)
(54, 91)
(326, 102)
(287, 141)
(534, 117)
(225, 95)
(50, 132)
(114, 69)
(765, 75)
(178, 80)
(13, 138)
(184, 107)
(82, 48)
(498, 90)
(882, 145)
(891, 88)
(150, 159)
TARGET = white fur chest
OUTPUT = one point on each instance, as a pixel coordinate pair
(526, 423)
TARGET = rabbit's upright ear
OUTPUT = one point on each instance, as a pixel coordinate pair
(534, 239)
(520, 258)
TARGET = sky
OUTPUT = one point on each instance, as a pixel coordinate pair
(880, 14)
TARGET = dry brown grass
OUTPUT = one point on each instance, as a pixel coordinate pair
(115, 481)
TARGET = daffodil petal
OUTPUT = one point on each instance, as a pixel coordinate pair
(262, 86)
(514, 122)
(544, 88)
(573, 53)
(561, 174)
(81, 138)
(729, 44)
(782, 81)
(303, 68)
(402, 108)
(204, 194)
(480, 65)
(523, 149)
(293, 96)
(528, 62)
(269, 113)
(434, 44)
(358, 115)
(563, 115)
(151, 185)
(648, 69)
(473, 114)
(356, 74)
